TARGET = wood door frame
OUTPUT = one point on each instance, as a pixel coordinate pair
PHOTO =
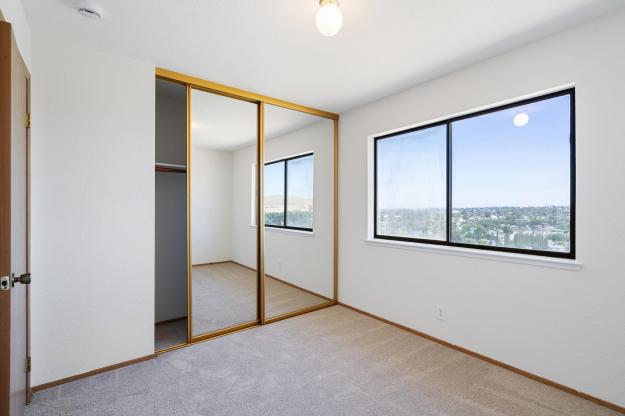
(5, 214)
(7, 57)
(28, 229)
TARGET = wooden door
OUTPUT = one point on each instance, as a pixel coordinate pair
(14, 261)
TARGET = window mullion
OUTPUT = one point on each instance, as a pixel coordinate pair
(286, 170)
(375, 188)
(449, 183)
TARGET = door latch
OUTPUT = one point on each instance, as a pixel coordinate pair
(5, 283)
(23, 279)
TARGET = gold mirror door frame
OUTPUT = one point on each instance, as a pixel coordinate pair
(260, 100)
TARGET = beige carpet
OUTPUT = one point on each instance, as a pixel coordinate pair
(329, 362)
(224, 295)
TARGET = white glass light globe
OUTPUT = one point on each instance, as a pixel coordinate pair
(329, 19)
(521, 119)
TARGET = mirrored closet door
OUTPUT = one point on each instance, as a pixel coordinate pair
(245, 209)
(223, 255)
(298, 211)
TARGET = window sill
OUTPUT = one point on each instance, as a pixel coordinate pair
(288, 231)
(539, 261)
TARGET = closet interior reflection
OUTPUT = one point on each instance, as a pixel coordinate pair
(245, 210)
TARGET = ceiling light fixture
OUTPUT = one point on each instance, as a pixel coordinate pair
(521, 119)
(329, 17)
(89, 10)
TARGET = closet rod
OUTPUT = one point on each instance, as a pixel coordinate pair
(168, 167)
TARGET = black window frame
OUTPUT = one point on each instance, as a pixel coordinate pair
(286, 161)
(448, 122)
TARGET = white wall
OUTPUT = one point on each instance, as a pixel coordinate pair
(92, 210)
(243, 235)
(93, 223)
(211, 205)
(567, 326)
(304, 259)
(13, 12)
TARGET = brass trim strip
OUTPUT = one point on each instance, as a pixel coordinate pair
(172, 348)
(260, 213)
(239, 93)
(223, 93)
(336, 210)
(189, 257)
(224, 331)
(300, 312)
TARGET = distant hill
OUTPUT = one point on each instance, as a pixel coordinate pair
(275, 203)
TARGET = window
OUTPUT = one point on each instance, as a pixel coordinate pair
(274, 193)
(299, 191)
(500, 179)
(289, 193)
(411, 180)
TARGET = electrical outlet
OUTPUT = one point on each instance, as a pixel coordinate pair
(441, 314)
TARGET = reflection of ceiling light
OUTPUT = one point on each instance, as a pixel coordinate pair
(89, 10)
(521, 119)
(329, 17)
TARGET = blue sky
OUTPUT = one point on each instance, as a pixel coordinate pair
(274, 179)
(495, 163)
(301, 176)
(411, 170)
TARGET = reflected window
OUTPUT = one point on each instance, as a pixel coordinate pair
(288, 192)
(274, 193)
(299, 184)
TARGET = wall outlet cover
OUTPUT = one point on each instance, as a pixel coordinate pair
(441, 313)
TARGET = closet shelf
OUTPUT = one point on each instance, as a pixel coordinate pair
(169, 167)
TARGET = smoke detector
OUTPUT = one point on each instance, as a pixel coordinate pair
(89, 11)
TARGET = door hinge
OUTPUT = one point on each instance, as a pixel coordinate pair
(27, 120)
(28, 365)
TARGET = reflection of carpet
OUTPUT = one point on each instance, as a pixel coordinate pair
(330, 362)
(224, 295)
